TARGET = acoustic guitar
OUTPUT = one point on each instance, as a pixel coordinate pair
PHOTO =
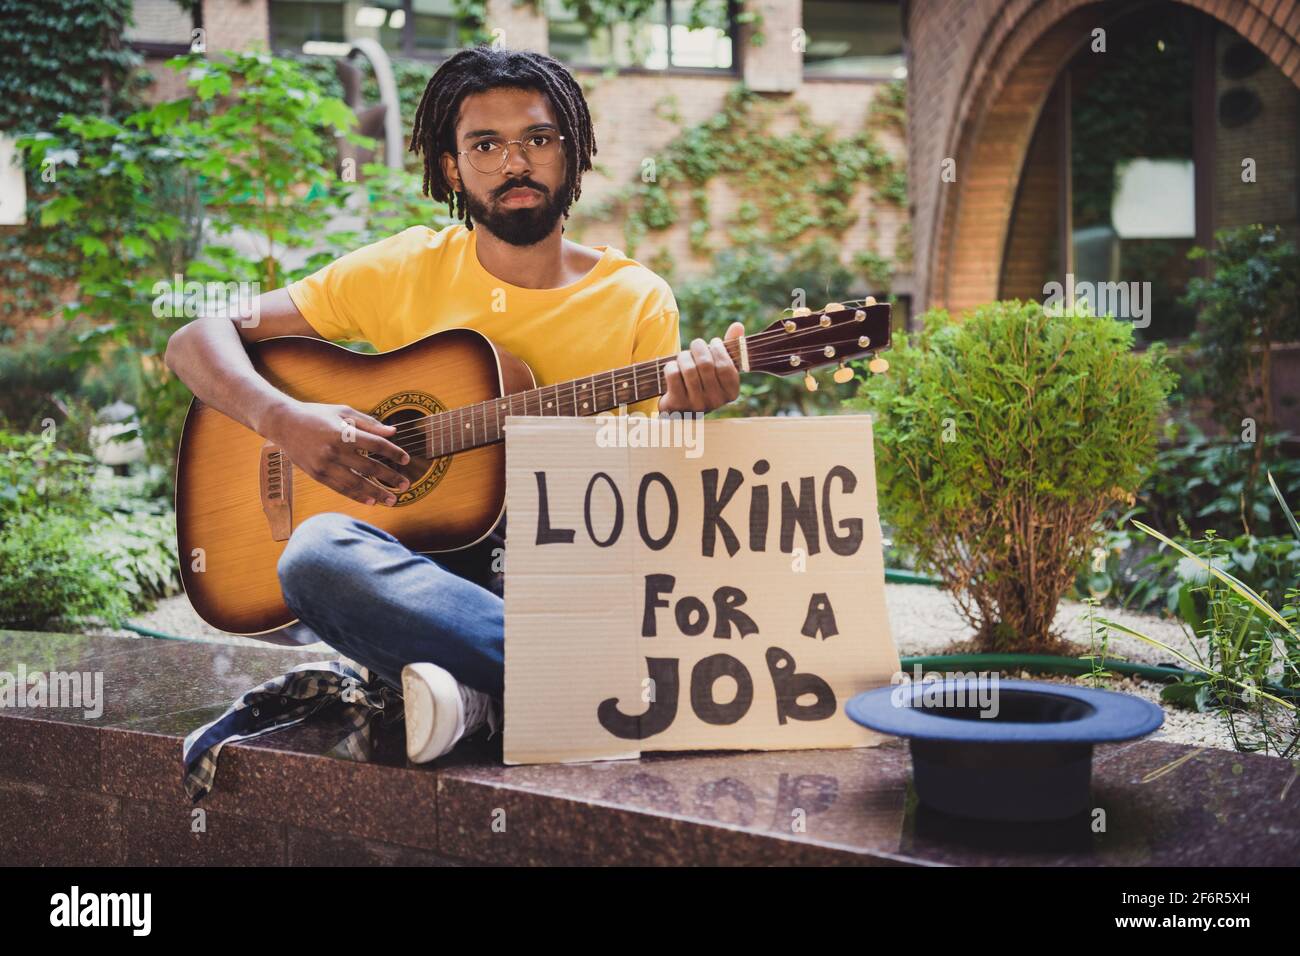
(239, 497)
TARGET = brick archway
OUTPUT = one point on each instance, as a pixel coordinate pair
(1023, 49)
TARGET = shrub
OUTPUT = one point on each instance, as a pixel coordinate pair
(152, 195)
(54, 574)
(1245, 643)
(36, 473)
(1203, 488)
(1000, 440)
(77, 545)
(1252, 301)
(1209, 485)
(1142, 577)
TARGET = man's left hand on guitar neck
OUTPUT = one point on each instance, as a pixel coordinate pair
(703, 377)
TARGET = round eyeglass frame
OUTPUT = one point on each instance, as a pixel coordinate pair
(505, 155)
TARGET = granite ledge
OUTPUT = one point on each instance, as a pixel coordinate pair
(309, 794)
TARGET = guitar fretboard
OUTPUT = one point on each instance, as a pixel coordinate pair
(471, 426)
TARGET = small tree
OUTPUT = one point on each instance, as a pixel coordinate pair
(999, 442)
(137, 198)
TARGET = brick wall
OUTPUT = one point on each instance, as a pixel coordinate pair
(1269, 139)
(236, 24)
(979, 74)
(628, 131)
(523, 27)
(1031, 256)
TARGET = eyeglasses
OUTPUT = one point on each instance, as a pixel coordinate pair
(492, 155)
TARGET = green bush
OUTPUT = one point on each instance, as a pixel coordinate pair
(1159, 579)
(1204, 488)
(1251, 301)
(1213, 486)
(54, 575)
(48, 379)
(248, 148)
(78, 544)
(1000, 440)
(1245, 643)
(37, 473)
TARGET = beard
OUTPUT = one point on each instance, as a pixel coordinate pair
(521, 226)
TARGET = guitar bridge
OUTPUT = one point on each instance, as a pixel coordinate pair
(275, 475)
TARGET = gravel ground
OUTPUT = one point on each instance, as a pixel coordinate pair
(924, 621)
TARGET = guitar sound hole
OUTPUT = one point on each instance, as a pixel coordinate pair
(411, 435)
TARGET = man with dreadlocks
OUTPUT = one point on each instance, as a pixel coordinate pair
(505, 137)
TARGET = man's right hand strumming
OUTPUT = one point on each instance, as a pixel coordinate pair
(323, 440)
(326, 442)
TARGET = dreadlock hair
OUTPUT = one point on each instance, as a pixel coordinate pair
(480, 69)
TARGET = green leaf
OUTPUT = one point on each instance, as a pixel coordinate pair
(137, 246)
(1232, 582)
(334, 112)
(166, 115)
(59, 210)
(92, 245)
(212, 84)
(1190, 695)
(1124, 628)
(1286, 509)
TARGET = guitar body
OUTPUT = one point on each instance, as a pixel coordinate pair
(238, 498)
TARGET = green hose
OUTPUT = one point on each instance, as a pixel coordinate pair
(150, 632)
(899, 576)
(1055, 664)
(1043, 663)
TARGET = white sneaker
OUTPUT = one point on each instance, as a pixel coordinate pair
(440, 711)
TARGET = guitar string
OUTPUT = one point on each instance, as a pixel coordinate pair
(642, 376)
(753, 344)
(428, 430)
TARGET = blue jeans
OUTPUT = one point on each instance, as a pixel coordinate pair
(374, 600)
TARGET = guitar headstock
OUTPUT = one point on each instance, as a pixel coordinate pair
(803, 340)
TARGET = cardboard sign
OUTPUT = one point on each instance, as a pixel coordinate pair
(690, 585)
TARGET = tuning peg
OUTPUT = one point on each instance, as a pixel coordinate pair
(833, 307)
(801, 311)
(878, 366)
(869, 300)
(843, 374)
(809, 382)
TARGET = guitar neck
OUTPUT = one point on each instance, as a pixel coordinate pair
(471, 426)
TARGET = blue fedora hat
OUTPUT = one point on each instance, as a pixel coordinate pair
(996, 749)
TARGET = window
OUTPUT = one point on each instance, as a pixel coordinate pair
(663, 40)
(411, 28)
(160, 26)
(1132, 167)
(853, 38)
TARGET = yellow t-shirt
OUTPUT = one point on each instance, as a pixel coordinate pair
(405, 287)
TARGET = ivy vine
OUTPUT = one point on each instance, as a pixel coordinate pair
(68, 57)
(789, 186)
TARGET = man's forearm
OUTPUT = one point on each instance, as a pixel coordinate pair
(208, 355)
